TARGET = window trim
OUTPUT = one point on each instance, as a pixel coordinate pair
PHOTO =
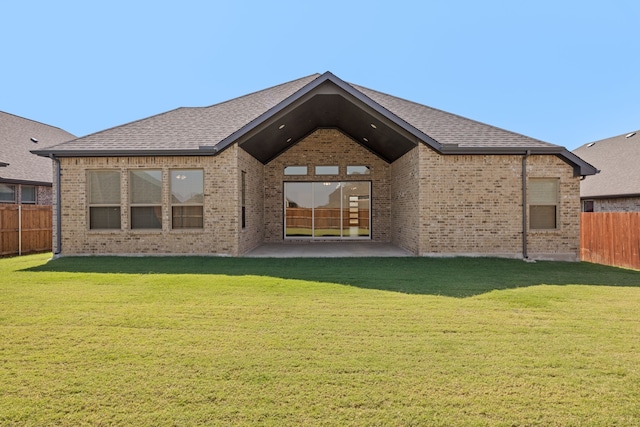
(318, 171)
(291, 170)
(103, 205)
(556, 204)
(35, 195)
(15, 193)
(133, 205)
(183, 205)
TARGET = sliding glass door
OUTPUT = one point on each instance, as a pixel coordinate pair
(340, 210)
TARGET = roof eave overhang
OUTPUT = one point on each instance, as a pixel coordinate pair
(581, 168)
(202, 151)
(24, 182)
(611, 196)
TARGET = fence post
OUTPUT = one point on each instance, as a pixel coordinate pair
(19, 230)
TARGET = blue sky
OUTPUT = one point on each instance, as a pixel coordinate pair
(566, 72)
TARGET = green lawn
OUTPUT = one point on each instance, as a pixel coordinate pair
(353, 341)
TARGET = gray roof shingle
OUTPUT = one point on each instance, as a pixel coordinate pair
(15, 145)
(618, 159)
(186, 130)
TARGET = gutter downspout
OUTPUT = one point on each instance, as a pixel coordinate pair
(525, 254)
(58, 244)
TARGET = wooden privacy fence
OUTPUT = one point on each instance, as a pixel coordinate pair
(25, 229)
(611, 238)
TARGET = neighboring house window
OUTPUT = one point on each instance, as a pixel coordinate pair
(145, 189)
(243, 198)
(104, 199)
(28, 194)
(327, 170)
(295, 170)
(587, 206)
(543, 204)
(7, 193)
(187, 199)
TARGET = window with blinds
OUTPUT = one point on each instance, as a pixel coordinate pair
(543, 203)
(145, 190)
(104, 199)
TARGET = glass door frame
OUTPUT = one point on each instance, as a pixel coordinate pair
(345, 232)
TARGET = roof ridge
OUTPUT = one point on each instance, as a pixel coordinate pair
(459, 116)
(246, 95)
(37, 121)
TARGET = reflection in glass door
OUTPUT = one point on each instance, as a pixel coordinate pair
(355, 208)
(327, 209)
(298, 207)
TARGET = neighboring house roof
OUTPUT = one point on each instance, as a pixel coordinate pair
(267, 122)
(18, 136)
(618, 160)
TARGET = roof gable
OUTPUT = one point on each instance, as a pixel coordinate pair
(617, 158)
(327, 102)
(267, 122)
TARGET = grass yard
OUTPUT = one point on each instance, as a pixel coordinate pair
(337, 342)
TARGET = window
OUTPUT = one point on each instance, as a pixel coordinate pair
(327, 170)
(295, 170)
(243, 198)
(327, 210)
(7, 193)
(587, 206)
(104, 199)
(358, 170)
(543, 204)
(187, 199)
(28, 194)
(145, 189)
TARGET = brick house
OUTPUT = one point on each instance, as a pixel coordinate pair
(316, 159)
(24, 177)
(616, 188)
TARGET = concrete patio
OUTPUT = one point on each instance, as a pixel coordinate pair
(327, 250)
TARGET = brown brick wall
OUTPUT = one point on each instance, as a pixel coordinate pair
(253, 233)
(405, 201)
(425, 202)
(620, 204)
(218, 236)
(564, 242)
(472, 205)
(327, 147)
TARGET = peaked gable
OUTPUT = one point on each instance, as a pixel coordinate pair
(267, 122)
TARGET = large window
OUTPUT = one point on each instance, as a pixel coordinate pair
(543, 204)
(145, 189)
(104, 199)
(187, 199)
(327, 210)
(7, 193)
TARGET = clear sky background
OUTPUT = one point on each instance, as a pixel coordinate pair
(564, 71)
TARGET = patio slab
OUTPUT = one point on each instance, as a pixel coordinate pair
(327, 250)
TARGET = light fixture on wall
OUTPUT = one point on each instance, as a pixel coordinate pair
(181, 177)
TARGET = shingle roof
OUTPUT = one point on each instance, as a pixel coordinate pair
(189, 130)
(16, 141)
(618, 159)
(186, 128)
